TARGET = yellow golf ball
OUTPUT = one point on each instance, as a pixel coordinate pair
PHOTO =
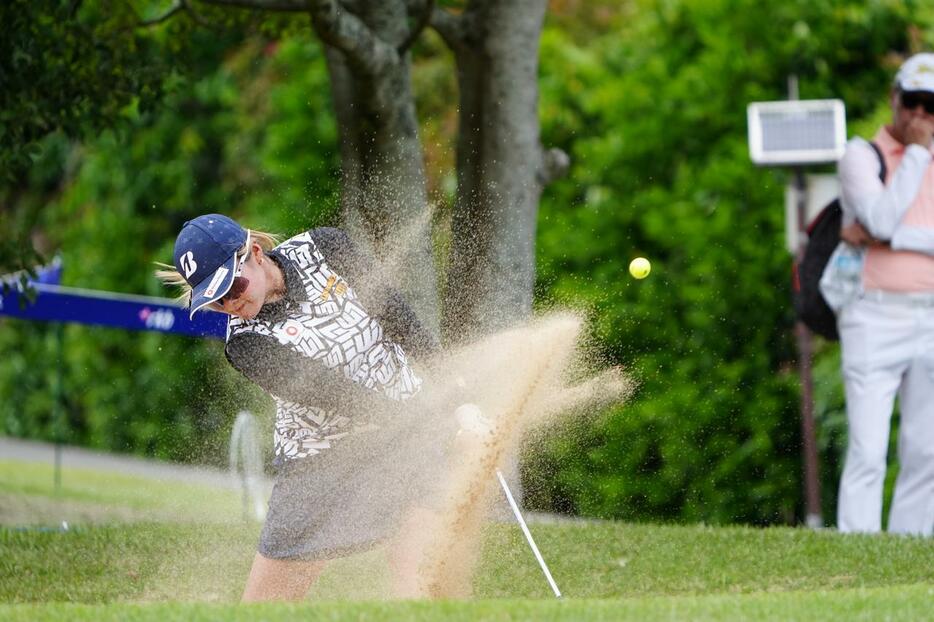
(640, 267)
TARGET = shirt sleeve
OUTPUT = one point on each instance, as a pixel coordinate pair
(401, 324)
(288, 375)
(880, 207)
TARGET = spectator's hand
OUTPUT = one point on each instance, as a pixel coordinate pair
(919, 131)
(857, 235)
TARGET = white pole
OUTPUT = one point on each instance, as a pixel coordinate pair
(246, 460)
(528, 535)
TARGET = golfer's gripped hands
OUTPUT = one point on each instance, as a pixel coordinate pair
(920, 130)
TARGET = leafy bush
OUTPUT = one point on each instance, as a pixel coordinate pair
(254, 138)
(654, 117)
(652, 112)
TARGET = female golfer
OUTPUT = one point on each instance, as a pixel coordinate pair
(329, 360)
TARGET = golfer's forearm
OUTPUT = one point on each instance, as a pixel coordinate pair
(282, 372)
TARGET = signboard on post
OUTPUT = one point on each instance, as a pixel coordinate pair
(795, 132)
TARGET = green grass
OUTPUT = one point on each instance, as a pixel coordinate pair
(195, 570)
(909, 603)
(606, 571)
(28, 496)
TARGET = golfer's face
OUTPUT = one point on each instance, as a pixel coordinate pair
(247, 293)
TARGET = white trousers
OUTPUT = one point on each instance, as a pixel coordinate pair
(887, 349)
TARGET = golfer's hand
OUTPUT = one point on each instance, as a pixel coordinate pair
(919, 131)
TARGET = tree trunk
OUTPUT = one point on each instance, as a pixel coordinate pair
(384, 201)
(502, 167)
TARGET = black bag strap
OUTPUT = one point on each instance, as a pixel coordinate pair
(882, 169)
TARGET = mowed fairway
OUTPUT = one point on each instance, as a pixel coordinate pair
(189, 558)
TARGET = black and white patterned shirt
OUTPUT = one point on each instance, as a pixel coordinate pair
(318, 352)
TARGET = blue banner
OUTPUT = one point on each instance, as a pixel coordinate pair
(67, 304)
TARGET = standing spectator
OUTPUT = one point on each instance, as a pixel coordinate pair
(887, 333)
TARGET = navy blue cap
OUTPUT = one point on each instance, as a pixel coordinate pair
(206, 255)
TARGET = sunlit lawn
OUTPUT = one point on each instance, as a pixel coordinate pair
(174, 566)
(28, 495)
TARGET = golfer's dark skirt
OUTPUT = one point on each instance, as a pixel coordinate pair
(344, 500)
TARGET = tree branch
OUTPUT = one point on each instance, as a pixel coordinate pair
(199, 19)
(352, 5)
(555, 164)
(346, 32)
(296, 6)
(423, 20)
(177, 7)
(449, 26)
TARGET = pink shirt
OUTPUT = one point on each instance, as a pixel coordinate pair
(901, 211)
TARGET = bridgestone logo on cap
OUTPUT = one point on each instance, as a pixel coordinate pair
(189, 265)
(216, 281)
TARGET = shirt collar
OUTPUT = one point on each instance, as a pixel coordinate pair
(884, 139)
(294, 288)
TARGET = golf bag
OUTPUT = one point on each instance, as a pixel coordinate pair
(823, 238)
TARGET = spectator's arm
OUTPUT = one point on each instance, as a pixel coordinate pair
(877, 206)
(913, 238)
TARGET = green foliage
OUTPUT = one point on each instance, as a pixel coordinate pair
(653, 116)
(229, 111)
(253, 138)
(70, 67)
(64, 68)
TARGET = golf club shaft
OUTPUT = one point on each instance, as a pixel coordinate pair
(528, 535)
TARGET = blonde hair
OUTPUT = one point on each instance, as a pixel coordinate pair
(171, 278)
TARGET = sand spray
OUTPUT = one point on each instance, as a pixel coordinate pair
(518, 380)
(524, 380)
